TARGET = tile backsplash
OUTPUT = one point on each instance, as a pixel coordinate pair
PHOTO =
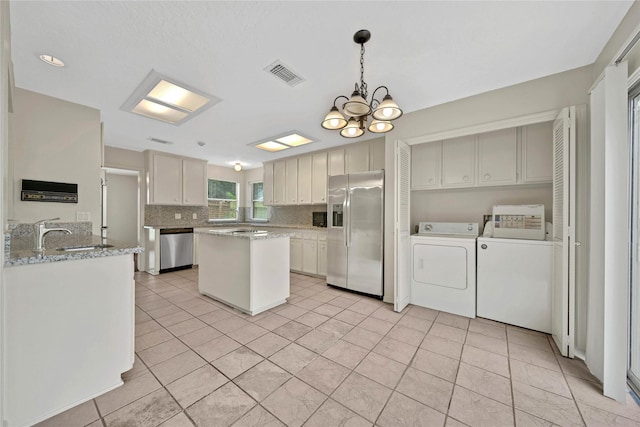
(278, 215)
(294, 215)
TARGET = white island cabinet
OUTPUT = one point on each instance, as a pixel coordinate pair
(68, 327)
(246, 269)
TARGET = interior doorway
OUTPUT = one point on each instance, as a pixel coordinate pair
(122, 201)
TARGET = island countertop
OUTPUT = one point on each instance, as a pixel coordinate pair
(20, 251)
(242, 233)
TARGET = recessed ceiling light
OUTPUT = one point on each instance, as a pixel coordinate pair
(161, 98)
(52, 60)
(271, 146)
(294, 140)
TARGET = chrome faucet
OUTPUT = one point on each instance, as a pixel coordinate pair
(40, 230)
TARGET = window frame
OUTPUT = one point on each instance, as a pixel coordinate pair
(237, 200)
(251, 202)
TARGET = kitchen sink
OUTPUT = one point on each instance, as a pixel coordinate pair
(84, 248)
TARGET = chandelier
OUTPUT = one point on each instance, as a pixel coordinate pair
(358, 109)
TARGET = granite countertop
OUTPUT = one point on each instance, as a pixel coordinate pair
(21, 252)
(238, 225)
(242, 233)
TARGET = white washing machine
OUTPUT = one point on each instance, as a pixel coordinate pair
(515, 281)
(443, 267)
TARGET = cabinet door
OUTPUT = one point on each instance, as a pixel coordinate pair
(322, 258)
(295, 252)
(319, 179)
(194, 182)
(309, 256)
(279, 180)
(167, 180)
(304, 180)
(267, 184)
(425, 165)
(356, 158)
(336, 162)
(376, 155)
(497, 153)
(458, 162)
(291, 184)
(537, 152)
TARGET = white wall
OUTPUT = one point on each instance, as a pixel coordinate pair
(122, 207)
(540, 95)
(55, 140)
(469, 204)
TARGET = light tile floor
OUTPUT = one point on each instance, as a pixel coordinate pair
(333, 358)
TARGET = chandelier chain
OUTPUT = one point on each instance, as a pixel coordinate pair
(363, 85)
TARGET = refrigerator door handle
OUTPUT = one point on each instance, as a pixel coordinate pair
(347, 219)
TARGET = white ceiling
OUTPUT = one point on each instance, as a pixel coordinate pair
(425, 52)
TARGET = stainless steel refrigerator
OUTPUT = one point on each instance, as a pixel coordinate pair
(355, 231)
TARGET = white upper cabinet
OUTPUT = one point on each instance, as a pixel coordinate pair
(291, 181)
(425, 165)
(194, 178)
(267, 184)
(497, 157)
(537, 152)
(356, 158)
(304, 180)
(458, 162)
(166, 180)
(279, 180)
(175, 180)
(319, 179)
(336, 162)
(513, 156)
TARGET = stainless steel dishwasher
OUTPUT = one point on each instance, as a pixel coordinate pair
(176, 249)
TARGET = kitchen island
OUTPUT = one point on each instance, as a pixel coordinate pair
(68, 323)
(247, 269)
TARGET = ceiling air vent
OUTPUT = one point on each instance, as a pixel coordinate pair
(284, 73)
(159, 141)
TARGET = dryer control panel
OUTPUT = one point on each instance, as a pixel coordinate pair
(519, 222)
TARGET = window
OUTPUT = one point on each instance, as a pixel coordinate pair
(223, 199)
(258, 209)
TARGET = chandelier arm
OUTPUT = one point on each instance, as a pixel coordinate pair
(338, 97)
(373, 97)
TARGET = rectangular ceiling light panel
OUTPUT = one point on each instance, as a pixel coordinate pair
(177, 96)
(271, 146)
(161, 98)
(282, 142)
(294, 140)
(159, 112)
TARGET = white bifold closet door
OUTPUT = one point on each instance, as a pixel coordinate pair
(564, 218)
(402, 244)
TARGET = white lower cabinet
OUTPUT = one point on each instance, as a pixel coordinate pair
(295, 252)
(308, 252)
(322, 254)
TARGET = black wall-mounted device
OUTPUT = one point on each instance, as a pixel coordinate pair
(47, 191)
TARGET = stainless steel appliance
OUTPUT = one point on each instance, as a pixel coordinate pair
(355, 232)
(176, 249)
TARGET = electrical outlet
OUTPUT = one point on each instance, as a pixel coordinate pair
(195, 216)
(83, 216)
(178, 216)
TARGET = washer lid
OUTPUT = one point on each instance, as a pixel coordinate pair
(448, 229)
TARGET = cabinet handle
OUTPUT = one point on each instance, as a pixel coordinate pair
(487, 176)
(465, 178)
(430, 180)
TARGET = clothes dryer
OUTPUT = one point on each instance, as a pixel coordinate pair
(443, 267)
